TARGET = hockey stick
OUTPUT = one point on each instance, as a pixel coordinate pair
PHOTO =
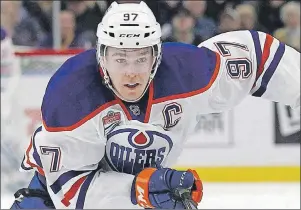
(185, 196)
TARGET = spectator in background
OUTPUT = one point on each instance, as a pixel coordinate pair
(20, 25)
(205, 26)
(41, 11)
(183, 24)
(86, 16)
(290, 33)
(229, 20)
(248, 17)
(70, 38)
(216, 7)
(269, 14)
(167, 10)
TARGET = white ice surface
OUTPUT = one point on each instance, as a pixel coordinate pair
(238, 196)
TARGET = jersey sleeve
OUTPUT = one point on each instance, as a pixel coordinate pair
(71, 162)
(253, 63)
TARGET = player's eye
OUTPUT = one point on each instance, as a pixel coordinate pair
(141, 60)
(121, 60)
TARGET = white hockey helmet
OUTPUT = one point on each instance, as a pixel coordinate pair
(128, 25)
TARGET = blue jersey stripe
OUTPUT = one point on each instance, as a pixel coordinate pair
(270, 70)
(63, 179)
(23, 166)
(257, 45)
(83, 191)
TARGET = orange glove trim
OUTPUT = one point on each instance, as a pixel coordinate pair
(141, 187)
(197, 194)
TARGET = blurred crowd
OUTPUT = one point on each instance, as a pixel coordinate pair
(29, 23)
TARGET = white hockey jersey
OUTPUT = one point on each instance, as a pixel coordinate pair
(91, 143)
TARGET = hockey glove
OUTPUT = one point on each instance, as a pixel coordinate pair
(155, 188)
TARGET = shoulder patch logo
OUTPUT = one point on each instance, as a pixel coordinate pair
(110, 121)
(111, 117)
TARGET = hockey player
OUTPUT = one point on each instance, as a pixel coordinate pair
(115, 118)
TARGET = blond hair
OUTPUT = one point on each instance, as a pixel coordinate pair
(287, 8)
(246, 8)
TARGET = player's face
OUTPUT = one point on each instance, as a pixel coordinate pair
(129, 70)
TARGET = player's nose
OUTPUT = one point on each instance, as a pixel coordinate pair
(131, 71)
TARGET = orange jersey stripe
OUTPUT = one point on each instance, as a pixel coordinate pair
(126, 112)
(192, 93)
(72, 191)
(82, 121)
(149, 103)
(40, 170)
(265, 55)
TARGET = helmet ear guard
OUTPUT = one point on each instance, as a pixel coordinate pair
(128, 25)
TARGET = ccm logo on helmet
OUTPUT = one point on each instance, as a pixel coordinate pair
(129, 35)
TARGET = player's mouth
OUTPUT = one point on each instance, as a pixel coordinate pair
(131, 86)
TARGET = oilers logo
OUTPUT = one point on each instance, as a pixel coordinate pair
(130, 150)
